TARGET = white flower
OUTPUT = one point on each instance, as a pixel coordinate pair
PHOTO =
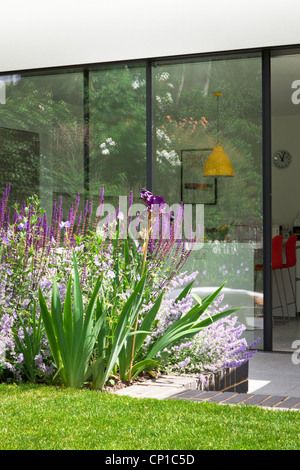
(135, 84)
(111, 142)
(164, 76)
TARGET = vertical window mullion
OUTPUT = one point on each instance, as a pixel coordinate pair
(149, 137)
(267, 191)
(86, 124)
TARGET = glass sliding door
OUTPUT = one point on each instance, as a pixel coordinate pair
(285, 120)
(200, 105)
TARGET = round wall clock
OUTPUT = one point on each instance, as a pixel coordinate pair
(282, 159)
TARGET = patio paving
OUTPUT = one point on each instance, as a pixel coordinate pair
(232, 398)
(274, 382)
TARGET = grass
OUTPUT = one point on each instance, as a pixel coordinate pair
(34, 417)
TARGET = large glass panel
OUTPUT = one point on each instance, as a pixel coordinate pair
(70, 132)
(190, 119)
(41, 136)
(285, 106)
(117, 99)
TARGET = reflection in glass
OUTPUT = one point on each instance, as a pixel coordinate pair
(117, 97)
(186, 124)
(285, 120)
(71, 132)
(41, 137)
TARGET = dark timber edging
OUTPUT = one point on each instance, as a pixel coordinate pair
(232, 379)
(232, 398)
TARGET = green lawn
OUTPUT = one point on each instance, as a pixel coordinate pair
(49, 418)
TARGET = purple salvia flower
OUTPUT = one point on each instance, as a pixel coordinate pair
(84, 217)
(130, 199)
(78, 223)
(99, 211)
(90, 212)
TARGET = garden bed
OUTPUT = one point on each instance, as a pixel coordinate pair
(81, 305)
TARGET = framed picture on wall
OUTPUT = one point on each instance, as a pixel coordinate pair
(196, 188)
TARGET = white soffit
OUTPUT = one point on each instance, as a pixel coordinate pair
(49, 33)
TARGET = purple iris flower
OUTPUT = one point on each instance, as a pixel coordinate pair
(150, 200)
(145, 195)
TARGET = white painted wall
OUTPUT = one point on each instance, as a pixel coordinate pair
(45, 33)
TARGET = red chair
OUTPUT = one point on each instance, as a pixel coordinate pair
(277, 263)
(277, 260)
(291, 260)
(290, 252)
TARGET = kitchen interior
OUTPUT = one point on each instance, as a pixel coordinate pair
(285, 112)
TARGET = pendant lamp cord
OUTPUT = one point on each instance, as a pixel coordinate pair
(218, 94)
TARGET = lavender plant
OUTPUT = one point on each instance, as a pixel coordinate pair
(26, 350)
(29, 341)
(216, 347)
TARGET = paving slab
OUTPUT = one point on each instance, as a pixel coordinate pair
(140, 391)
(238, 398)
(163, 387)
(186, 395)
(256, 399)
(272, 401)
(221, 397)
(203, 396)
(289, 402)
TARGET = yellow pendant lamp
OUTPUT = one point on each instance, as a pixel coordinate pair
(218, 163)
